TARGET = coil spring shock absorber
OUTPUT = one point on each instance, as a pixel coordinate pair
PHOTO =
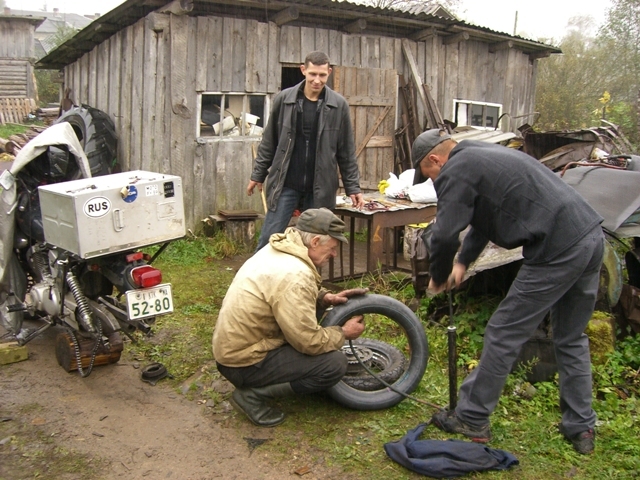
(83, 312)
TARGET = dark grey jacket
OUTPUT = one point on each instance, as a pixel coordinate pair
(334, 149)
(508, 198)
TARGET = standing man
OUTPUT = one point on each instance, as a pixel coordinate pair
(511, 199)
(267, 340)
(307, 139)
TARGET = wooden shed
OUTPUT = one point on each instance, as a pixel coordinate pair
(189, 83)
(18, 92)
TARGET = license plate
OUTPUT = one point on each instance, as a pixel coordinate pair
(149, 302)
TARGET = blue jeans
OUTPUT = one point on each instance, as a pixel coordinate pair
(276, 221)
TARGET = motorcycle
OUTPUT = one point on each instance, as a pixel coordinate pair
(71, 242)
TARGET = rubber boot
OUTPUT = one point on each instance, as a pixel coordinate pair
(250, 401)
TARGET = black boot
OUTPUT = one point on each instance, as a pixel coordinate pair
(250, 401)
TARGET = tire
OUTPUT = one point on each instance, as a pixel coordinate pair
(417, 344)
(386, 361)
(97, 135)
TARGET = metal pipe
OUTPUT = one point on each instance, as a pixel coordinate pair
(452, 336)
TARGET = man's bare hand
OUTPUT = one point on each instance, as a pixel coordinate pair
(435, 288)
(357, 200)
(457, 274)
(353, 327)
(455, 279)
(342, 297)
(253, 185)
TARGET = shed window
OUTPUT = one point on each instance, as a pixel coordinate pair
(477, 114)
(224, 115)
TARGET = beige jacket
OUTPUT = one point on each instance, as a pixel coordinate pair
(272, 301)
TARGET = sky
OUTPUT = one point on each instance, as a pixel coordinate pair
(536, 18)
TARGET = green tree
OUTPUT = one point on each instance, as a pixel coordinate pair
(570, 85)
(49, 81)
(620, 38)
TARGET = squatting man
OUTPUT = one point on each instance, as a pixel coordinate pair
(512, 200)
(267, 341)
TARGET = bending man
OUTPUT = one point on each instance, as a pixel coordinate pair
(509, 198)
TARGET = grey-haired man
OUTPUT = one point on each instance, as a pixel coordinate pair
(267, 341)
(512, 200)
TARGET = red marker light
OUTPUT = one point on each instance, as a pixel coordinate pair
(146, 276)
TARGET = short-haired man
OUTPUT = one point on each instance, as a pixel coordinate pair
(267, 341)
(512, 200)
(308, 138)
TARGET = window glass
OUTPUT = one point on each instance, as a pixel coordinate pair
(231, 115)
(477, 114)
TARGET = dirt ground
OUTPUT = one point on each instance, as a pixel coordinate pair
(136, 430)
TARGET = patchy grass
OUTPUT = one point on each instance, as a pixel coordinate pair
(29, 451)
(318, 430)
(7, 130)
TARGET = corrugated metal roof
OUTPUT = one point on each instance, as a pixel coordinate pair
(328, 14)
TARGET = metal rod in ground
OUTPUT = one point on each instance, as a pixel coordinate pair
(453, 368)
(452, 335)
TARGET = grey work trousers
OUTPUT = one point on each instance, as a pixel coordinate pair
(306, 373)
(567, 286)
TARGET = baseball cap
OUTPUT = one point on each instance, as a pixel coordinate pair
(422, 145)
(323, 222)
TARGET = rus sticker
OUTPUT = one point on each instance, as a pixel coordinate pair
(97, 207)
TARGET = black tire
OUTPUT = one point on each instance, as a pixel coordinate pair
(385, 360)
(97, 135)
(417, 342)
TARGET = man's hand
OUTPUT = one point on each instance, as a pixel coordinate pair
(353, 327)
(252, 185)
(357, 200)
(455, 279)
(342, 297)
(457, 274)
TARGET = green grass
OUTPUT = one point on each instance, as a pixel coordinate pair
(8, 129)
(318, 430)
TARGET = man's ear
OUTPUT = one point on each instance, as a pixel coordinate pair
(315, 241)
(303, 69)
(433, 158)
(330, 70)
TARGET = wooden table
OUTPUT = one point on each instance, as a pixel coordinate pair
(379, 223)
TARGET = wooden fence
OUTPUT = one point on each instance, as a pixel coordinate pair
(14, 110)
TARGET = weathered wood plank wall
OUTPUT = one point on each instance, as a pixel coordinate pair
(149, 75)
(16, 57)
(16, 38)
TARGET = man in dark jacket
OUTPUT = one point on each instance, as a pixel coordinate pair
(307, 139)
(510, 199)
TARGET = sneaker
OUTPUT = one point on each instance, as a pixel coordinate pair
(449, 422)
(583, 442)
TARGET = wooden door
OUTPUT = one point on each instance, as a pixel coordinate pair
(371, 93)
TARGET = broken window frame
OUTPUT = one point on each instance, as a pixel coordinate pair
(244, 134)
(469, 105)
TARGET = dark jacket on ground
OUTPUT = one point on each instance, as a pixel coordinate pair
(508, 198)
(334, 148)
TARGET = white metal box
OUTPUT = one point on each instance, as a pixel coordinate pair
(100, 215)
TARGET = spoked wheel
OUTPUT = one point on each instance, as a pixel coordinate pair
(394, 345)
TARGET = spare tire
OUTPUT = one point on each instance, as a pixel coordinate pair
(97, 135)
(417, 344)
